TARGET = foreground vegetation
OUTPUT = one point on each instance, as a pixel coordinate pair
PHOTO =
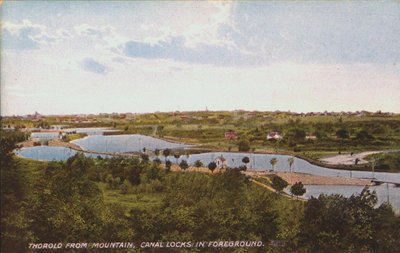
(123, 199)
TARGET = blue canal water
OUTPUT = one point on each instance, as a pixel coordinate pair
(47, 153)
(124, 143)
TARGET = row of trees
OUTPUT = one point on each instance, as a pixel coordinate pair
(212, 165)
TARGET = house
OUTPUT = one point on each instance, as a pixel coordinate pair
(231, 135)
(221, 162)
(274, 136)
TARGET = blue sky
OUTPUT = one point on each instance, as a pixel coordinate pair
(131, 56)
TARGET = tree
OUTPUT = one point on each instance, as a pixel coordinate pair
(242, 167)
(337, 224)
(133, 173)
(110, 181)
(166, 153)
(299, 134)
(145, 157)
(125, 187)
(342, 134)
(15, 233)
(168, 165)
(298, 189)
(321, 134)
(177, 157)
(157, 161)
(159, 130)
(117, 182)
(183, 165)
(291, 162)
(244, 145)
(363, 135)
(43, 124)
(295, 135)
(212, 166)
(198, 164)
(157, 152)
(278, 183)
(373, 164)
(273, 162)
(246, 160)
(68, 211)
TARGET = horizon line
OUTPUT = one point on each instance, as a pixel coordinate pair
(198, 111)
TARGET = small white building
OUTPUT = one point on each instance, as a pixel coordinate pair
(221, 162)
(274, 136)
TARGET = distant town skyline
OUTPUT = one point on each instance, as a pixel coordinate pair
(38, 115)
(87, 57)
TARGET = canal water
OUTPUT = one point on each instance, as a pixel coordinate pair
(125, 143)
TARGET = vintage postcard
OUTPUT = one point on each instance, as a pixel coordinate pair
(200, 126)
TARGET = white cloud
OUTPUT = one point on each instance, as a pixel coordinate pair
(196, 22)
(63, 33)
(28, 35)
(91, 65)
(208, 32)
(97, 32)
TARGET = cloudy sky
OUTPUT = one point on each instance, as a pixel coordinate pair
(130, 56)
